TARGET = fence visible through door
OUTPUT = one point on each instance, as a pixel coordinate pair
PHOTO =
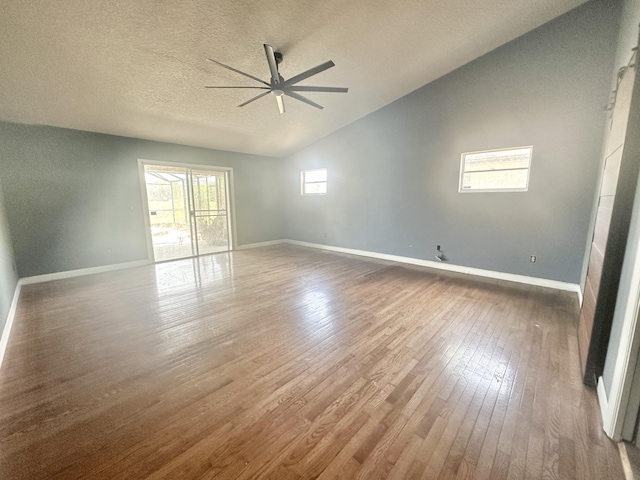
(188, 210)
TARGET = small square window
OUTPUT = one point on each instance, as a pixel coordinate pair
(314, 182)
(504, 170)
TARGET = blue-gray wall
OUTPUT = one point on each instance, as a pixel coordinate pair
(73, 198)
(8, 274)
(393, 175)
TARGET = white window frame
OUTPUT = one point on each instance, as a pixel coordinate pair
(507, 189)
(303, 182)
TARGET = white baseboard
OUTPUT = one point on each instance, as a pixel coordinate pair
(247, 246)
(82, 271)
(571, 287)
(605, 413)
(6, 331)
(580, 297)
(542, 282)
(510, 277)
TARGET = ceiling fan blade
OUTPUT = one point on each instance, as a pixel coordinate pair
(301, 88)
(280, 100)
(253, 99)
(217, 86)
(309, 73)
(303, 99)
(238, 71)
(273, 65)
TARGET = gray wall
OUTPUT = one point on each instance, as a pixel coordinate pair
(393, 175)
(8, 274)
(72, 196)
(627, 40)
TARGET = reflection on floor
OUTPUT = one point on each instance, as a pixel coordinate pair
(289, 363)
(173, 243)
(174, 251)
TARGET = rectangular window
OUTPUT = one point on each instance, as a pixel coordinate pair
(314, 182)
(504, 170)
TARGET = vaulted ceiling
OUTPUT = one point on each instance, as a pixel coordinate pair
(138, 68)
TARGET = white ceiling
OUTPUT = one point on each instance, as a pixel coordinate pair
(137, 67)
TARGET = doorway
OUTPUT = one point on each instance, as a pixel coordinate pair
(188, 210)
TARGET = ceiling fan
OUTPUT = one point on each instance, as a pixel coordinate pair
(278, 86)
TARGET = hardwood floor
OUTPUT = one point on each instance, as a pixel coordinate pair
(290, 363)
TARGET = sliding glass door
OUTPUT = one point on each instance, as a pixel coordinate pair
(188, 210)
(210, 219)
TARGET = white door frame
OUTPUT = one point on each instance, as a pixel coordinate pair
(613, 407)
(231, 210)
(615, 399)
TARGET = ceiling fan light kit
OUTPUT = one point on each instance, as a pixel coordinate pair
(278, 86)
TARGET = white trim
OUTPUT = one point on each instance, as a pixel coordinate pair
(80, 272)
(510, 277)
(580, 296)
(382, 256)
(192, 166)
(145, 210)
(303, 181)
(494, 190)
(4, 341)
(603, 401)
(617, 400)
(625, 361)
(231, 207)
(248, 246)
(623, 373)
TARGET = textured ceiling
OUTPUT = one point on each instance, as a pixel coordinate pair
(137, 67)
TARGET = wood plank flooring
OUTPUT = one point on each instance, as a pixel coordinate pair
(290, 363)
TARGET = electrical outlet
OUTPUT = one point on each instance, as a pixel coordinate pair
(532, 259)
(438, 248)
